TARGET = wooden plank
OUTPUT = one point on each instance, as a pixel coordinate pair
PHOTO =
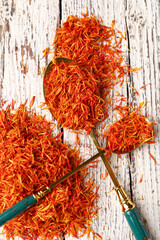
(26, 28)
(110, 223)
(143, 27)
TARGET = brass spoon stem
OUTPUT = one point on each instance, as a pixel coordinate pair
(44, 191)
(124, 199)
(105, 160)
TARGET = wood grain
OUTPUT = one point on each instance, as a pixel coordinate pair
(27, 27)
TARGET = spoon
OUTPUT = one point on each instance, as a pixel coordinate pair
(29, 201)
(128, 207)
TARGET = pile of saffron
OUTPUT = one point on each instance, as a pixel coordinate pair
(129, 132)
(78, 93)
(31, 159)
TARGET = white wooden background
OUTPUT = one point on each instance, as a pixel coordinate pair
(27, 27)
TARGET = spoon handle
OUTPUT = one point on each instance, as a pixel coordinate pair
(128, 207)
(17, 209)
(136, 224)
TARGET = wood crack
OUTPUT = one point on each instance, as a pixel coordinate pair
(60, 11)
(62, 130)
(128, 97)
(60, 21)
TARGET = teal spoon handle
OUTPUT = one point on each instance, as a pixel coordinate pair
(17, 209)
(136, 224)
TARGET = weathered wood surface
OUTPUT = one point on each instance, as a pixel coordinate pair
(27, 27)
